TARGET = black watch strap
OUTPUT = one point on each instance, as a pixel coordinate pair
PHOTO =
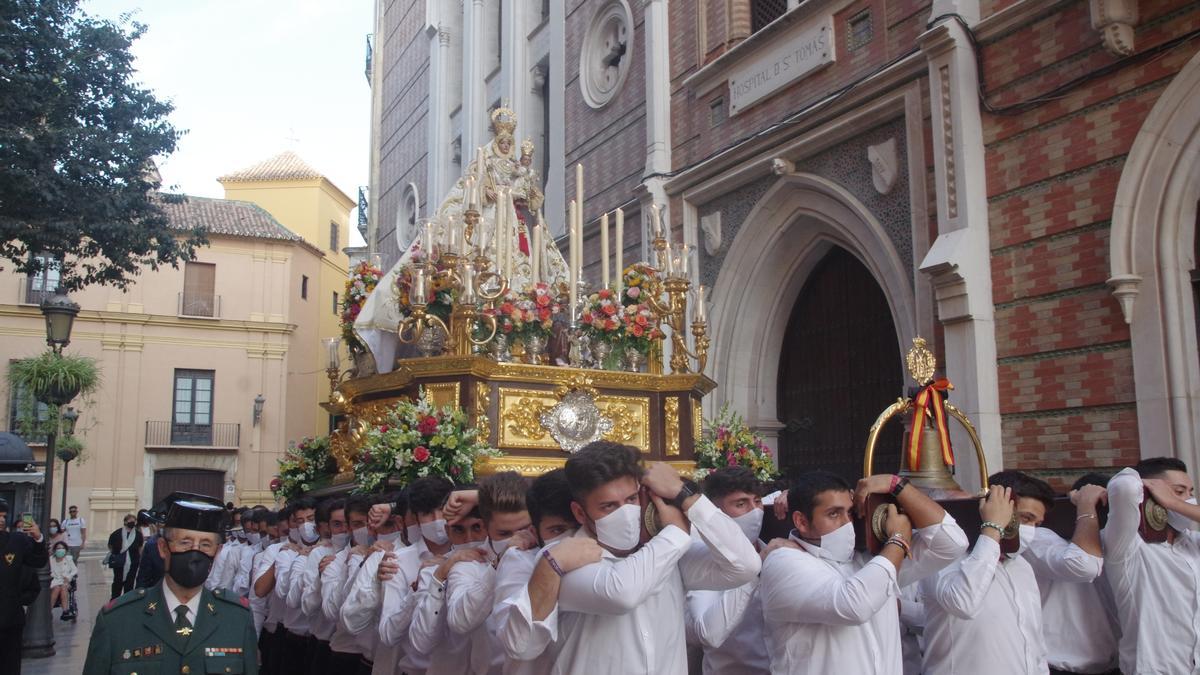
(684, 493)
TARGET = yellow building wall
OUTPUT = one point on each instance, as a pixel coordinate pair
(307, 207)
(262, 342)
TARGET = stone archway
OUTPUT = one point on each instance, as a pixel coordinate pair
(788, 232)
(1151, 257)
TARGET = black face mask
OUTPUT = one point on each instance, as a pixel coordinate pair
(190, 568)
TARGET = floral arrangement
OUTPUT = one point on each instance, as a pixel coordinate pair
(417, 439)
(626, 321)
(363, 279)
(727, 441)
(439, 291)
(304, 467)
(529, 312)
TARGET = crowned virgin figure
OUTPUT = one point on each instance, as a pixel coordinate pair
(497, 169)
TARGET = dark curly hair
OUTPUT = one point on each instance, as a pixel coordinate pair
(601, 462)
(1024, 485)
(730, 479)
(428, 494)
(550, 495)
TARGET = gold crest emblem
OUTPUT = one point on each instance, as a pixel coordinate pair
(9, 558)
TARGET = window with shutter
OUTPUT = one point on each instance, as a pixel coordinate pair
(199, 284)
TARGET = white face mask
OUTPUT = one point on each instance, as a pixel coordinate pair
(362, 537)
(751, 524)
(839, 544)
(253, 537)
(339, 541)
(1025, 535)
(622, 529)
(54, 529)
(481, 545)
(1180, 522)
(435, 532)
(309, 534)
(414, 534)
(390, 537)
(499, 547)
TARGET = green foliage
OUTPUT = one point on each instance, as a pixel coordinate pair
(78, 136)
(418, 439)
(30, 379)
(305, 467)
(727, 441)
(69, 449)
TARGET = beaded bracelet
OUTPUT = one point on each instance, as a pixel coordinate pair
(987, 523)
(553, 563)
(1086, 515)
(899, 541)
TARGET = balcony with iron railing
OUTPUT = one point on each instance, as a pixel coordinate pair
(201, 305)
(166, 435)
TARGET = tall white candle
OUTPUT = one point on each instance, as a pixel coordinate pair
(501, 237)
(536, 259)
(573, 244)
(579, 197)
(699, 314)
(604, 278)
(655, 221)
(479, 175)
(511, 249)
(427, 242)
(620, 251)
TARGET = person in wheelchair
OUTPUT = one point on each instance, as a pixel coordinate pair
(63, 574)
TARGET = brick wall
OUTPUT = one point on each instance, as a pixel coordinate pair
(1066, 374)
(403, 126)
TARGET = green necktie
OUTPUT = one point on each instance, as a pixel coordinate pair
(182, 625)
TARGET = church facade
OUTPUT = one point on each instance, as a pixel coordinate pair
(1014, 180)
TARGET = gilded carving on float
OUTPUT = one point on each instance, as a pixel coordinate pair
(630, 417)
(520, 418)
(671, 421)
(697, 421)
(444, 394)
(483, 402)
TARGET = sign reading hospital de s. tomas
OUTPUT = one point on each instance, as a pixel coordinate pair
(787, 58)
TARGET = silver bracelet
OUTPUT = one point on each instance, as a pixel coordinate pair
(1085, 515)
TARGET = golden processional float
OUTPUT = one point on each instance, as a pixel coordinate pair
(535, 400)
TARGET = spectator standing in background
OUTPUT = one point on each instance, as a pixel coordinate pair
(76, 529)
(125, 553)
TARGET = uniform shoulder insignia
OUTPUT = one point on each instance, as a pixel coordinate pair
(123, 600)
(230, 598)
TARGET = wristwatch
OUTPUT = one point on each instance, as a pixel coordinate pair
(684, 493)
(898, 485)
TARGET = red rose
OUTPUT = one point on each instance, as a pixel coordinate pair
(427, 426)
(638, 330)
(610, 309)
(421, 454)
(384, 429)
(276, 484)
(543, 300)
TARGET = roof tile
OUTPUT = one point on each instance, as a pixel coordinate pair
(228, 217)
(287, 165)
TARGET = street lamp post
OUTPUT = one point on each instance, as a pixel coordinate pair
(70, 417)
(39, 629)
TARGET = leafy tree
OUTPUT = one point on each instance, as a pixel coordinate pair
(78, 136)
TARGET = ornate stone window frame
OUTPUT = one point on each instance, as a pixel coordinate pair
(611, 21)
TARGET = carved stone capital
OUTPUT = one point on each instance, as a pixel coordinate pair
(1115, 19)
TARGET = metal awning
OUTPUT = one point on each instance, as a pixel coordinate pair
(22, 477)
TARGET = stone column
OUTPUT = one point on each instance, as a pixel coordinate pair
(959, 261)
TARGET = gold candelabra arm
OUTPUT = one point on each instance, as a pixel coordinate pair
(489, 321)
(702, 342)
(482, 280)
(411, 328)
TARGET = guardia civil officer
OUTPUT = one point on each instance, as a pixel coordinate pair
(178, 626)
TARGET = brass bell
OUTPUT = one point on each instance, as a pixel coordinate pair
(933, 477)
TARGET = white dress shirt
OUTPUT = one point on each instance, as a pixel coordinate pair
(335, 584)
(625, 616)
(261, 606)
(291, 617)
(399, 603)
(308, 593)
(824, 616)
(471, 592)
(984, 616)
(729, 626)
(360, 611)
(512, 576)
(1156, 587)
(241, 580)
(172, 601)
(216, 573)
(526, 642)
(1080, 630)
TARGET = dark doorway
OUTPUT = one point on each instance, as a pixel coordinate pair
(839, 369)
(197, 481)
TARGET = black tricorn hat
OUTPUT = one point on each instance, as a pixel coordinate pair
(189, 511)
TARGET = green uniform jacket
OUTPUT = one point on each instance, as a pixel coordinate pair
(135, 634)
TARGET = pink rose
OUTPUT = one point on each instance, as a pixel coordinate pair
(421, 453)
